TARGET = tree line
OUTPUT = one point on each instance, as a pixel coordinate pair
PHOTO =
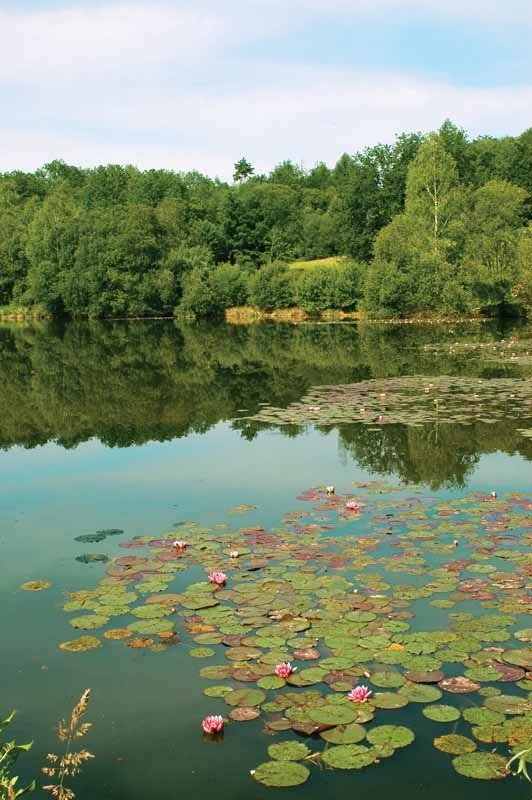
(429, 223)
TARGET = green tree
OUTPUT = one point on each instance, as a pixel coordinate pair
(271, 287)
(242, 170)
(491, 250)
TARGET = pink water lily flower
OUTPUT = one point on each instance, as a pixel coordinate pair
(213, 724)
(284, 669)
(352, 505)
(359, 694)
(314, 408)
(219, 578)
(180, 544)
(234, 554)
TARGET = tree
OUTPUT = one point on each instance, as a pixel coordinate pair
(242, 170)
(491, 251)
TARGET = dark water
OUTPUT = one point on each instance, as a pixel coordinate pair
(140, 425)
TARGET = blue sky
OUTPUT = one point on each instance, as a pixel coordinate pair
(197, 85)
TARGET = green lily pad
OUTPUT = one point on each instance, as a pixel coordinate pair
(441, 713)
(348, 756)
(271, 682)
(245, 697)
(345, 734)
(483, 766)
(508, 704)
(281, 774)
(201, 652)
(330, 714)
(392, 735)
(387, 680)
(81, 645)
(420, 692)
(288, 751)
(90, 622)
(454, 744)
(389, 700)
(483, 716)
(519, 658)
(217, 691)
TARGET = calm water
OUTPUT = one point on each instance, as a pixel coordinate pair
(140, 425)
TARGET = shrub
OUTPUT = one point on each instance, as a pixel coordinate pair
(272, 287)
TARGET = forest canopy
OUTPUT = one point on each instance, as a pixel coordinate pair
(437, 223)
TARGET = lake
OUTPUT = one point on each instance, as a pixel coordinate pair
(227, 437)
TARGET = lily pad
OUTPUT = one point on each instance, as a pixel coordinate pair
(281, 774)
(244, 714)
(330, 714)
(483, 766)
(35, 586)
(454, 744)
(288, 751)
(245, 697)
(441, 713)
(81, 645)
(345, 734)
(348, 756)
(393, 735)
(508, 704)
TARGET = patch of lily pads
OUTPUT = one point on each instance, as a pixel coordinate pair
(337, 595)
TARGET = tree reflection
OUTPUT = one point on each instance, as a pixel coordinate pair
(131, 382)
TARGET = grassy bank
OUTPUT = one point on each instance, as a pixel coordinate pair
(17, 313)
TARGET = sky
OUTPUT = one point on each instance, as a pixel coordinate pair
(197, 85)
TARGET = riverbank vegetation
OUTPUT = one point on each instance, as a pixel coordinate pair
(433, 224)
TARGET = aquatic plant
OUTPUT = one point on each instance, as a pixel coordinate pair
(68, 765)
(284, 669)
(359, 694)
(522, 758)
(9, 752)
(213, 724)
(219, 578)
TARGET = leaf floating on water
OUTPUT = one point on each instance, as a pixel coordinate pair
(392, 735)
(483, 766)
(81, 645)
(349, 756)
(244, 714)
(441, 713)
(281, 774)
(288, 751)
(455, 744)
(92, 558)
(36, 586)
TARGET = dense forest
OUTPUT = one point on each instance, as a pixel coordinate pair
(436, 223)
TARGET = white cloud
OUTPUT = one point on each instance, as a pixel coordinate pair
(179, 85)
(316, 115)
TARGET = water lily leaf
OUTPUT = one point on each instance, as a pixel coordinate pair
(89, 622)
(201, 652)
(288, 751)
(387, 680)
(118, 633)
(330, 714)
(521, 657)
(483, 766)
(92, 558)
(420, 692)
(217, 691)
(244, 714)
(35, 586)
(271, 682)
(151, 626)
(424, 676)
(392, 735)
(281, 774)
(345, 734)
(216, 672)
(483, 716)
(508, 704)
(245, 697)
(441, 713)
(81, 645)
(389, 700)
(454, 744)
(348, 756)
